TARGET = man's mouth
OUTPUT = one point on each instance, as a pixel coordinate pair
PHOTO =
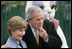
(40, 25)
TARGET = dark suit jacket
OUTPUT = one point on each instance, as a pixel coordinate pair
(54, 40)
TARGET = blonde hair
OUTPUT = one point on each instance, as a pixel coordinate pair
(15, 23)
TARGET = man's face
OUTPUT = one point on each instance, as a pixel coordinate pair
(37, 20)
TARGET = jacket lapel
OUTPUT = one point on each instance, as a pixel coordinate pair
(31, 37)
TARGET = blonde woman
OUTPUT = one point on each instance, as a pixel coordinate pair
(16, 30)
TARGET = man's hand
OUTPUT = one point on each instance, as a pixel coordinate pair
(43, 33)
(5, 46)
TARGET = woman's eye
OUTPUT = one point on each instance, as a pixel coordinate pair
(20, 30)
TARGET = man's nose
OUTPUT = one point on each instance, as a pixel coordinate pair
(40, 22)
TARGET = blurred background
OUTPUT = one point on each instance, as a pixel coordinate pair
(17, 8)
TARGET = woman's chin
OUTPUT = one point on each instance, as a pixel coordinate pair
(20, 38)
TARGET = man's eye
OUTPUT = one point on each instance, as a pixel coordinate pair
(37, 19)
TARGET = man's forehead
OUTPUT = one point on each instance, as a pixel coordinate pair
(37, 14)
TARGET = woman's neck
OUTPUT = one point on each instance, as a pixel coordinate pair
(18, 41)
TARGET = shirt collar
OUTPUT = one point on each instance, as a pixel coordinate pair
(33, 30)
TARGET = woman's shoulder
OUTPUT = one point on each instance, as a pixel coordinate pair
(11, 42)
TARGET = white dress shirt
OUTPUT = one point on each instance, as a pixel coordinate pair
(33, 30)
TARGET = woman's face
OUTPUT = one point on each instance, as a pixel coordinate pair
(18, 34)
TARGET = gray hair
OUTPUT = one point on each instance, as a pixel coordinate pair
(31, 10)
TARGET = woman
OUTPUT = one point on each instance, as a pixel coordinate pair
(16, 30)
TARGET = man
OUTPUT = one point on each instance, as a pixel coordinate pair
(49, 8)
(47, 34)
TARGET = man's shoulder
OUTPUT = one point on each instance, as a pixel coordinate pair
(48, 22)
